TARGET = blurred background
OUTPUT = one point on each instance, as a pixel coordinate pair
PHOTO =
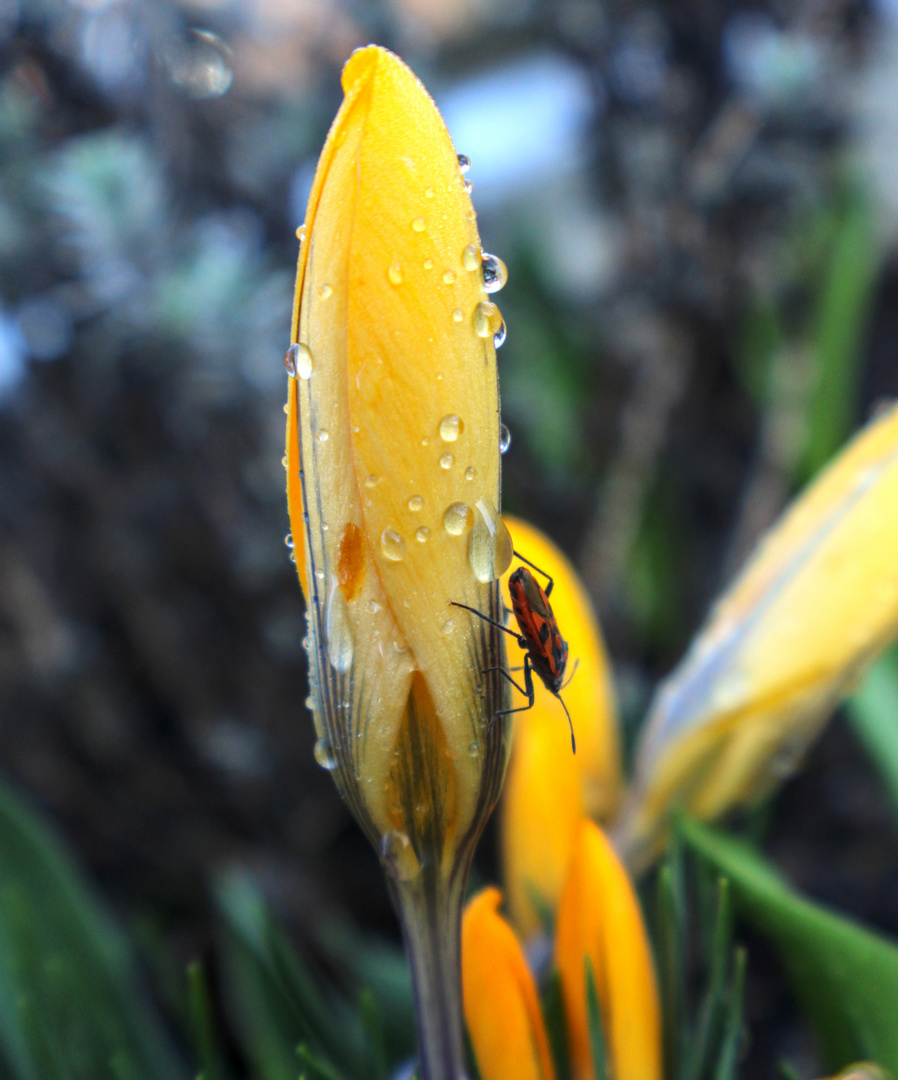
(698, 204)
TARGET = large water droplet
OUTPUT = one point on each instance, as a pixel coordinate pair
(337, 631)
(470, 258)
(394, 273)
(487, 320)
(298, 361)
(446, 461)
(495, 272)
(458, 518)
(504, 439)
(398, 856)
(324, 754)
(464, 162)
(415, 503)
(489, 545)
(392, 545)
(451, 427)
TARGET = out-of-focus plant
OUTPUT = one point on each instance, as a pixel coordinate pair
(393, 487)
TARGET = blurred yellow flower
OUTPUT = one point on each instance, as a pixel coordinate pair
(549, 790)
(816, 602)
(393, 488)
(502, 1008)
(599, 919)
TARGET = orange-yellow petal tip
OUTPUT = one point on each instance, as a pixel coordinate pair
(501, 1004)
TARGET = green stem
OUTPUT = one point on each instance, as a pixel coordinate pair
(429, 909)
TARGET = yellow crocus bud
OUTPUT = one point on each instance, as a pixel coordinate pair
(549, 789)
(501, 1003)
(814, 605)
(862, 1070)
(393, 485)
(599, 919)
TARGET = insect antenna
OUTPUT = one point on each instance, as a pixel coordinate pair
(570, 723)
(572, 674)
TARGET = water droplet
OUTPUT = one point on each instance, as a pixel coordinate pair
(428, 193)
(447, 627)
(448, 276)
(292, 557)
(470, 473)
(325, 291)
(504, 439)
(301, 233)
(458, 314)
(415, 503)
(468, 186)
(323, 435)
(473, 748)
(337, 631)
(470, 258)
(422, 535)
(487, 319)
(499, 336)
(310, 703)
(287, 407)
(298, 361)
(324, 754)
(373, 607)
(428, 264)
(394, 273)
(495, 272)
(457, 518)
(447, 461)
(392, 545)
(401, 646)
(425, 441)
(319, 575)
(418, 224)
(288, 540)
(398, 856)
(372, 481)
(284, 461)
(489, 545)
(451, 427)
(464, 162)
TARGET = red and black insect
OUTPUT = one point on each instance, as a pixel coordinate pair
(547, 650)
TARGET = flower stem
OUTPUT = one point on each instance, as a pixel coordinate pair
(430, 909)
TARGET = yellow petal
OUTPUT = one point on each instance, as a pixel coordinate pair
(816, 602)
(599, 918)
(549, 789)
(502, 1009)
(393, 456)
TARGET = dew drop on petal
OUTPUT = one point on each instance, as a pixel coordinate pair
(392, 545)
(487, 319)
(398, 856)
(415, 503)
(458, 314)
(457, 518)
(428, 264)
(473, 748)
(422, 535)
(298, 361)
(470, 258)
(447, 627)
(504, 439)
(451, 427)
(324, 754)
(337, 631)
(394, 273)
(447, 461)
(495, 272)
(301, 233)
(469, 186)
(499, 336)
(448, 276)
(464, 162)
(284, 461)
(288, 540)
(428, 193)
(418, 224)
(323, 435)
(372, 481)
(325, 291)
(490, 547)
(470, 473)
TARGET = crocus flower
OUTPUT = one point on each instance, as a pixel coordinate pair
(599, 919)
(814, 605)
(549, 790)
(502, 1009)
(393, 486)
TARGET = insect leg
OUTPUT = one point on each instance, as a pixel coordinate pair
(527, 689)
(533, 566)
(492, 622)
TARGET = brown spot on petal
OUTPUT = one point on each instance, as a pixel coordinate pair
(351, 561)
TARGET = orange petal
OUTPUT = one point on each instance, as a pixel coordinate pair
(599, 918)
(502, 1009)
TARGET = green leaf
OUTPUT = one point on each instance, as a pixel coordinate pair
(671, 937)
(845, 976)
(711, 1015)
(553, 1014)
(594, 1021)
(70, 1003)
(873, 714)
(732, 1032)
(202, 1025)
